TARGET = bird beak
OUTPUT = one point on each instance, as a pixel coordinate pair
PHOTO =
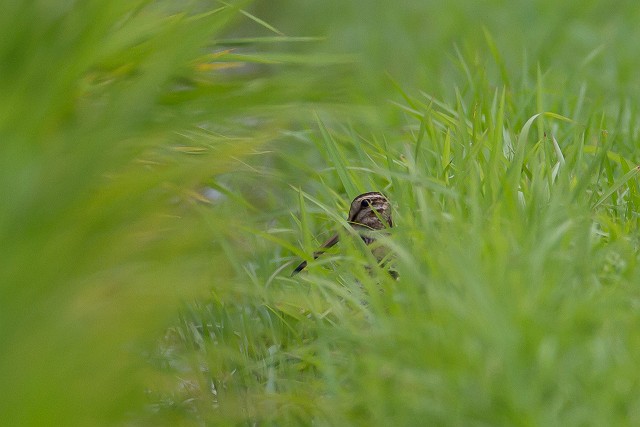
(326, 245)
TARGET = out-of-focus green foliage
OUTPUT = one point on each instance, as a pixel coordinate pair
(162, 162)
(104, 154)
(419, 42)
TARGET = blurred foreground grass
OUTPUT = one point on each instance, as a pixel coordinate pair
(159, 168)
(104, 154)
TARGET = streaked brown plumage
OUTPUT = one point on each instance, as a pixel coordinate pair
(368, 211)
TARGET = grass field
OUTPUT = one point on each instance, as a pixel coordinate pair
(164, 166)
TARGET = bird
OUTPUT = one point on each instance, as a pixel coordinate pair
(368, 212)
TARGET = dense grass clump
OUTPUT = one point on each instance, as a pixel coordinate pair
(166, 164)
(515, 303)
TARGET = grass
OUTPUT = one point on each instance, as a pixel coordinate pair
(165, 166)
(515, 299)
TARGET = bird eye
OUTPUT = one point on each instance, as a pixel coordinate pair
(364, 203)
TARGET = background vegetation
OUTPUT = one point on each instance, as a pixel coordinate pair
(163, 164)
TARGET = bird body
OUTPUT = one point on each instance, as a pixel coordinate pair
(368, 212)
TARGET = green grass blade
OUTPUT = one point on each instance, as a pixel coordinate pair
(616, 186)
